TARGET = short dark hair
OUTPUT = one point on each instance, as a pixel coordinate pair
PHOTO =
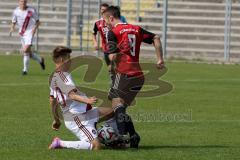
(61, 51)
(104, 5)
(113, 11)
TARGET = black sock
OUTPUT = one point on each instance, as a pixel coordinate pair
(107, 60)
(120, 119)
(129, 125)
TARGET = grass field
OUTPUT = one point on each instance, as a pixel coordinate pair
(208, 96)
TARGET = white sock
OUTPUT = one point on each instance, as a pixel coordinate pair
(36, 57)
(76, 144)
(25, 63)
(112, 122)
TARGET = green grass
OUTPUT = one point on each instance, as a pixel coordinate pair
(208, 95)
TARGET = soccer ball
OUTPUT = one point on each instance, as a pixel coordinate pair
(106, 134)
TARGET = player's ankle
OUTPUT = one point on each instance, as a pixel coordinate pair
(96, 145)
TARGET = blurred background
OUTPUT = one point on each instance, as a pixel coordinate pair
(207, 30)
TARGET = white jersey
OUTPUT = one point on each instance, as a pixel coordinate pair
(25, 19)
(60, 86)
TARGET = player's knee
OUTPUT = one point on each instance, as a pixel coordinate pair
(24, 50)
(96, 145)
(117, 101)
(27, 49)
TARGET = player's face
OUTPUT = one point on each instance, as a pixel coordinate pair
(22, 3)
(63, 62)
(67, 63)
(102, 9)
(109, 20)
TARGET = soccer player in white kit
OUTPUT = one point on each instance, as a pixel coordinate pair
(27, 20)
(78, 114)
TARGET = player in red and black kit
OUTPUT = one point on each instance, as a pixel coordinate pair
(101, 27)
(124, 41)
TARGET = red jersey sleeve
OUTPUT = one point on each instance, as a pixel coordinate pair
(147, 36)
(112, 43)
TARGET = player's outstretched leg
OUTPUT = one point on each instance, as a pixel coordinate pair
(39, 59)
(57, 143)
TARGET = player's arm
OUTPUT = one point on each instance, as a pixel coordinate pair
(151, 38)
(12, 28)
(94, 36)
(73, 92)
(158, 47)
(54, 106)
(36, 27)
(75, 96)
(112, 45)
(37, 24)
(13, 24)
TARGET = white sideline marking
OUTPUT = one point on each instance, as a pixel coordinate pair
(206, 80)
(21, 84)
(191, 121)
(186, 80)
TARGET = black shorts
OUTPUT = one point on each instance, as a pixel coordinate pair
(125, 87)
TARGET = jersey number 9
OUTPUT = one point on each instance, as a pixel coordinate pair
(132, 43)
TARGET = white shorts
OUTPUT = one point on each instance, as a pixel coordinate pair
(26, 39)
(83, 125)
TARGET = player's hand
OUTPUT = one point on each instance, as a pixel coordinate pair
(160, 64)
(34, 31)
(95, 45)
(109, 67)
(92, 100)
(56, 125)
(10, 32)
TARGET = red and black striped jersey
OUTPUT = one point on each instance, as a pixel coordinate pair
(101, 27)
(125, 40)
